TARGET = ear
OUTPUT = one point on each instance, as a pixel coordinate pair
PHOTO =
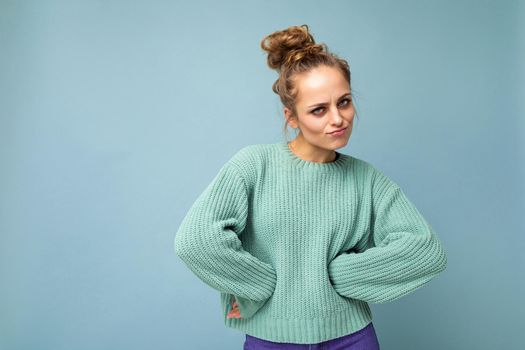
(290, 118)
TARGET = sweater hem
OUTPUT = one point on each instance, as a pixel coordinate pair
(304, 330)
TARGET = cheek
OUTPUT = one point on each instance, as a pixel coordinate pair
(309, 122)
(315, 125)
(350, 112)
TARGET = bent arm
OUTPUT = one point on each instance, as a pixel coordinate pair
(403, 255)
(207, 241)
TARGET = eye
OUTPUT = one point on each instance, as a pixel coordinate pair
(313, 111)
(348, 102)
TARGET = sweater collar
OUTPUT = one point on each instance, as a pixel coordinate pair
(335, 165)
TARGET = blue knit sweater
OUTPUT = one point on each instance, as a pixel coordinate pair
(305, 246)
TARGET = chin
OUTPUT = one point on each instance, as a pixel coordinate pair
(342, 141)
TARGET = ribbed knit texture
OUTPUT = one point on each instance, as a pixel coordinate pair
(305, 246)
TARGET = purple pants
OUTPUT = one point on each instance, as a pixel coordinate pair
(363, 339)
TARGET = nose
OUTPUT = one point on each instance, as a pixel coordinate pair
(336, 117)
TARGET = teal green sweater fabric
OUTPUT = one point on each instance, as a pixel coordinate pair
(303, 246)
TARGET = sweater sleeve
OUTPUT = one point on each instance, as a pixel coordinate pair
(207, 241)
(402, 254)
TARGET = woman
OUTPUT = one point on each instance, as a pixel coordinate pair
(298, 237)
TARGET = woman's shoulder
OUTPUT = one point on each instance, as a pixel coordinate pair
(361, 166)
(372, 172)
(251, 155)
(250, 160)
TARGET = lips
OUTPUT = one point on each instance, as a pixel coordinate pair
(336, 130)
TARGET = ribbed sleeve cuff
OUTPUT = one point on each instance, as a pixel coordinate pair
(340, 277)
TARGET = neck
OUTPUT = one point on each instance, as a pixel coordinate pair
(309, 152)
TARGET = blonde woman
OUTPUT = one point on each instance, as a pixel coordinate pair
(298, 237)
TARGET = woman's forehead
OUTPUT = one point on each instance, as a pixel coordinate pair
(322, 85)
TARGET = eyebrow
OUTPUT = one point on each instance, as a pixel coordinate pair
(323, 103)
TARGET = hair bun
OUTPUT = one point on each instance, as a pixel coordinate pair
(287, 46)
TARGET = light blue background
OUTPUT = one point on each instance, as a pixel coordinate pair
(115, 115)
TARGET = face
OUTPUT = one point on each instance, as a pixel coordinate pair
(323, 105)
